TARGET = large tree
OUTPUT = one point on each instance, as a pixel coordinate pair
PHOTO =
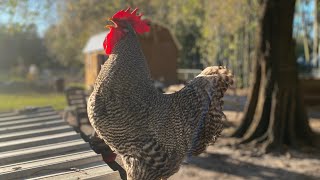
(275, 115)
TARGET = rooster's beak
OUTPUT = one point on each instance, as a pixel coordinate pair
(114, 25)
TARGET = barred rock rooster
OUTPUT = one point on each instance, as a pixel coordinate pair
(152, 132)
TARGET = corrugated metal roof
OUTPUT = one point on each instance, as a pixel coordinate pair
(95, 43)
(38, 144)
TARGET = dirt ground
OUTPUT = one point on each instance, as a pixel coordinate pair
(221, 161)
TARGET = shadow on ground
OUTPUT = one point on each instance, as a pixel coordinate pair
(225, 164)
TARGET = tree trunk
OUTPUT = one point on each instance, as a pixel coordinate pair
(305, 37)
(315, 31)
(246, 54)
(275, 114)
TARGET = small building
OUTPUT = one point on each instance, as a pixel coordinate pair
(160, 48)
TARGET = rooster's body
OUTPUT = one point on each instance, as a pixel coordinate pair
(154, 132)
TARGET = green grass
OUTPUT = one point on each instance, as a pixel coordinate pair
(20, 100)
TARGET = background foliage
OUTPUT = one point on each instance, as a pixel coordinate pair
(211, 32)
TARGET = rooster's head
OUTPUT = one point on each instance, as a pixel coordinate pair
(123, 21)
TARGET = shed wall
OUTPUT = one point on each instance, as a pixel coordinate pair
(161, 53)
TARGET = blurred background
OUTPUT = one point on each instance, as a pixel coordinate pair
(47, 46)
(43, 43)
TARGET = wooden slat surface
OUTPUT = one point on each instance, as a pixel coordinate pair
(27, 116)
(16, 113)
(38, 144)
(33, 133)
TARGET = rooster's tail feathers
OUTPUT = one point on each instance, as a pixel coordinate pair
(221, 75)
(220, 79)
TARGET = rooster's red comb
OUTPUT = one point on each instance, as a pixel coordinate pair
(117, 32)
(139, 25)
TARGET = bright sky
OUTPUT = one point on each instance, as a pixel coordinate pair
(43, 20)
(308, 10)
(43, 23)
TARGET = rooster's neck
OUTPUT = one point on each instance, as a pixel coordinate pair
(126, 71)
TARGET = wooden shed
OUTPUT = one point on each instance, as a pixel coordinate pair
(160, 48)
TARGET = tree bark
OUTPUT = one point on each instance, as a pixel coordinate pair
(275, 116)
(315, 31)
